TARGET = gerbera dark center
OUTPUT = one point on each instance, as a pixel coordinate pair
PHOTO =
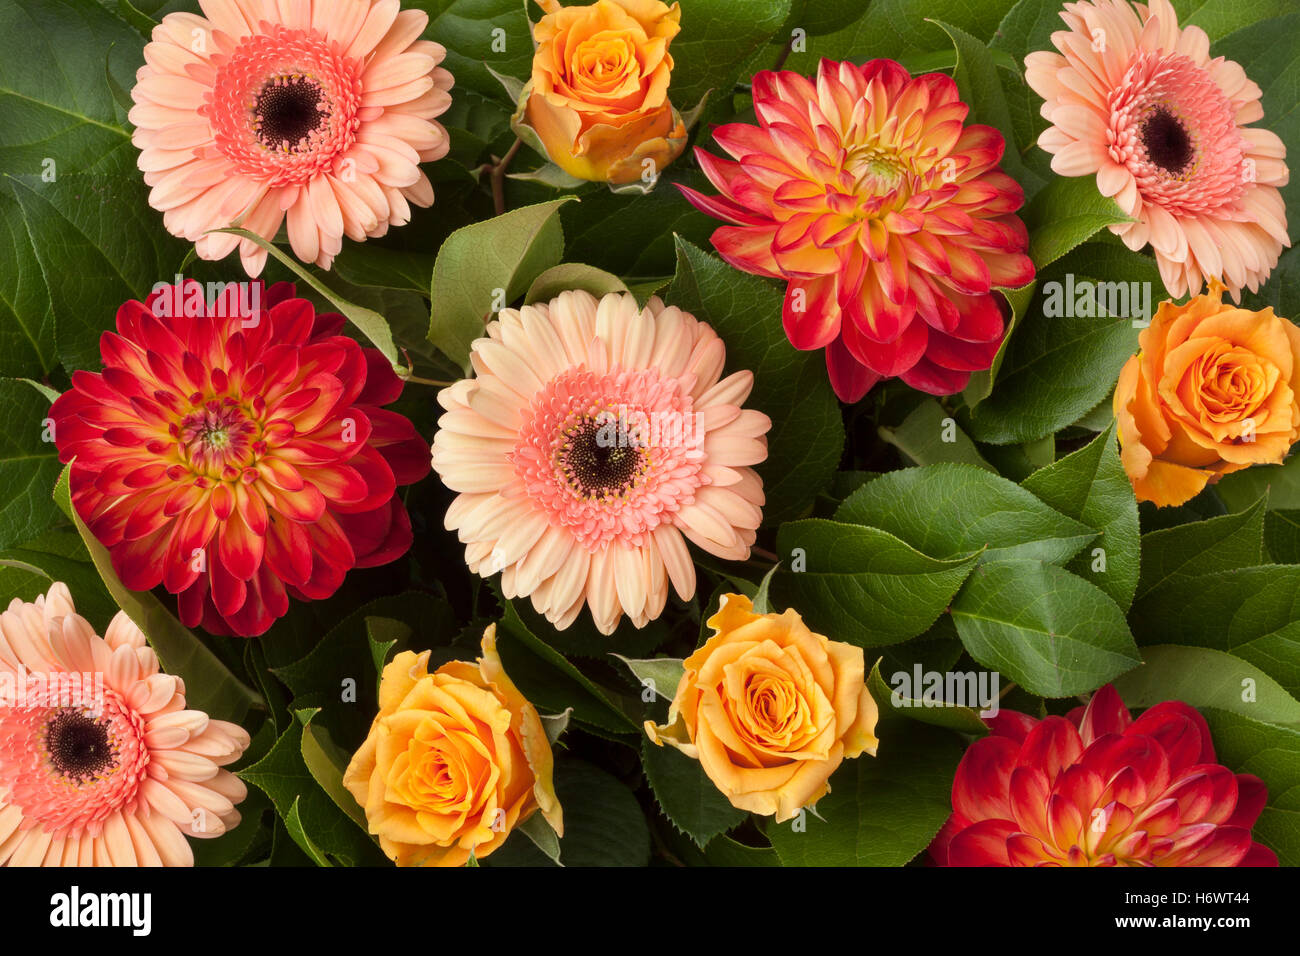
(78, 745)
(1167, 142)
(288, 110)
(600, 459)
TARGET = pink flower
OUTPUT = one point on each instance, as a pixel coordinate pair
(315, 113)
(101, 763)
(595, 439)
(1140, 104)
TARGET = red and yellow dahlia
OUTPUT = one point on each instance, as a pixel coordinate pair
(888, 216)
(238, 461)
(101, 762)
(1098, 788)
(315, 114)
(1140, 104)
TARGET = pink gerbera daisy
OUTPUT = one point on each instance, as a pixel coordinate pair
(593, 441)
(101, 764)
(1140, 104)
(316, 112)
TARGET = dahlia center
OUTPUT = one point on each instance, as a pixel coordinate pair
(600, 459)
(78, 745)
(218, 434)
(288, 110)
(1168, 143)
(875, 170)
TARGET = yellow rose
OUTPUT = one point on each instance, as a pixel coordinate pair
(453, 762)
(598, 98)
(770, 709)
(1212, 390)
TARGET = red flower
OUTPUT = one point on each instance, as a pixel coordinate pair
(889, 218)
(1101, 789)
(238, 457)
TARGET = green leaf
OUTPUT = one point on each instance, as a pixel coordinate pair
(490, 264)
(336, 670)
(1204, 677)
(861, 584)
(544, 838)
(1219, 18)
(1253, 613)
(635, 236)
(572, 275)
(26, 322)
(1066, 213)
(1048, 630)
(482, 37)
(686, 795)
(384, 634)
(326, 763)
(717, 37)
(807, 436)
(1282, 535)
(316, 823)
(950, 510)
(1281, 483)
(370, 323)
(58, 555)
(763, 596)
(209, 684)
(881, 811)
(1273, 754)
(29, 464)
(900, 29)
(981, 382)
(724, 851)
(660, 675)
(1091, 486)
(293, 823)
(819, 17)
(927, 708)
(1190, 550)
(604, 824)
(930, 435)
(1068, 349)
(550, 682)
(981, 88)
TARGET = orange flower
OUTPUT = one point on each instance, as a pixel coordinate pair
(1211, 391)
(453, 762)
(598, 104)
(770, 709)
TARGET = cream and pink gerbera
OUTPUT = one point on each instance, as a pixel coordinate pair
(318, 113)
(1140, 104)
(595, 439)
(101, 762)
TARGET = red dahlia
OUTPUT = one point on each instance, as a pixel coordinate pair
(1098, 788)
(238, 456)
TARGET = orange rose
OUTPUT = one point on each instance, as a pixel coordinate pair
(453, 762)
(1211, 391)
(597, 104)
(770, 709)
